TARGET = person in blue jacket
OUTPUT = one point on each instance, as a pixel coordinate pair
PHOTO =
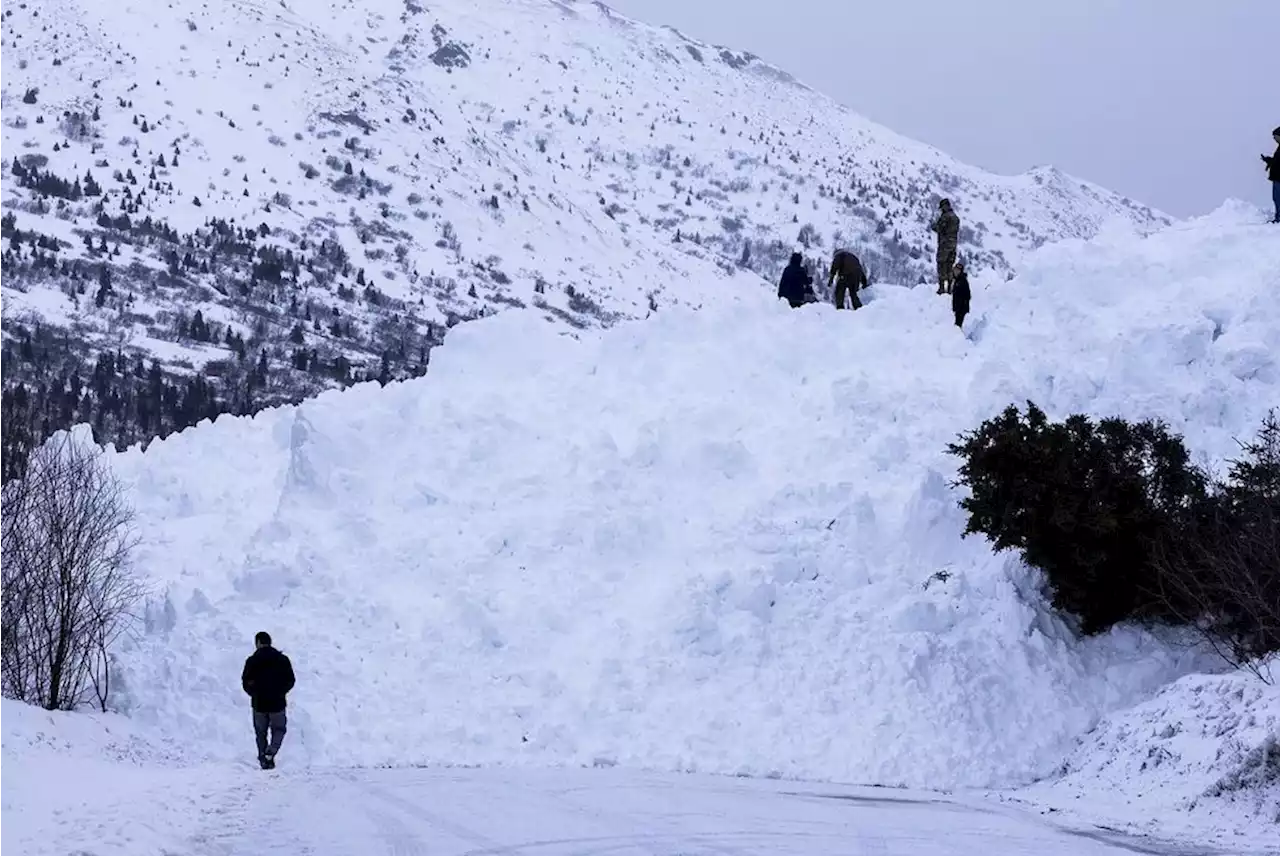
(796, 284)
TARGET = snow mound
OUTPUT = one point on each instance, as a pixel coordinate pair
(31, 731)
(707, 541)
(1203, 754)
(74, 783)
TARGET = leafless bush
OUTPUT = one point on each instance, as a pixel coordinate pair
(1224, 579)
(1220, 571)
(69, 590)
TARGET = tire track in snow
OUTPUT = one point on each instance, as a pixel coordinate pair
(400, 841)
(376, 812)
(711, 843)
(705, 842)
(563, 798)
(432, 819)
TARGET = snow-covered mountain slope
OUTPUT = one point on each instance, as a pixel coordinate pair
(332, 184)
(708, 541)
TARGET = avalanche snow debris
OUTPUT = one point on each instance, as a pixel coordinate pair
(698, 542)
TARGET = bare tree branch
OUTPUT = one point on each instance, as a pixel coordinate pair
(69, 590)
(1220, 572)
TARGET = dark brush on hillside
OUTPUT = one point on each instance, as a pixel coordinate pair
(1126, 528)
(1084, 502)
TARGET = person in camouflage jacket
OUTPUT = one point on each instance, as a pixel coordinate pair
(947, 225)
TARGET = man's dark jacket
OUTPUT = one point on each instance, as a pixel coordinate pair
(794, 286)
(1273, 165)
(848, 268)
(267, 678)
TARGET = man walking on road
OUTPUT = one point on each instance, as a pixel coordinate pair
(267, 679)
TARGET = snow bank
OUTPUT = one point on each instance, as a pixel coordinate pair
(69, 778)
(705, 541)
(32, 731)
(1202, 757)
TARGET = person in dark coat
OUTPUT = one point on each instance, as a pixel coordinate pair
(849, 275)
(960, 293)
(796, 284)
(1273, 173)
(267, 679)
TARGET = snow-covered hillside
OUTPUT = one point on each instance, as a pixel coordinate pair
(331, 185)
(707, 541)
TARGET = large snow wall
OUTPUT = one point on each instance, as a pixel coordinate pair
(701, 541)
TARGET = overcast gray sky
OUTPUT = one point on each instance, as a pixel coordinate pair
(1167, 101)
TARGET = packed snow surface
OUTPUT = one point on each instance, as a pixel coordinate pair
(131, 806)
(707, 541)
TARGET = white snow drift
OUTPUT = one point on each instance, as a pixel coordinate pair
(1206, 746)
(698, 542)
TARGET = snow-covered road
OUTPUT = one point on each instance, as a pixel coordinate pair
(451, 812)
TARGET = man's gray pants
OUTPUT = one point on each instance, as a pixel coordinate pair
(276, 723)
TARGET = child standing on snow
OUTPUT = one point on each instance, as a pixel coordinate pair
(960, 293)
